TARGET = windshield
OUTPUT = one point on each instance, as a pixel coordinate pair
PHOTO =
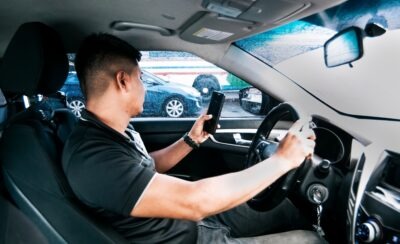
(287, 41)
(296, 51)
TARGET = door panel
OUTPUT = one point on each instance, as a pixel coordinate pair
(218, 155)
(211, 159)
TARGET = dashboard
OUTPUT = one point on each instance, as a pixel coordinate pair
(359, 181)
(363, 185)
(333, 165)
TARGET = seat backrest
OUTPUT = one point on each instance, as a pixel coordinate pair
(15, 227)
(32, 141)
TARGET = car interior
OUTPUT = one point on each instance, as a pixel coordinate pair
(349, 192)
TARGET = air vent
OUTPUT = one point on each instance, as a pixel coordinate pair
(357, 176)
(387, 196)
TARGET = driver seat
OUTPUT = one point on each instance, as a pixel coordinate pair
(30, 150)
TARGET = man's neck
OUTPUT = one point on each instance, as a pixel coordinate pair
(113, 117)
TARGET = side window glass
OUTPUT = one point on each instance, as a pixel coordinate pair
(180, 84)
(187, 84)
(74, 98)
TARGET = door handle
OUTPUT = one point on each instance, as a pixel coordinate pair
(238, 140)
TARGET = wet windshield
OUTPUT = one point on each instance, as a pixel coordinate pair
(296, 50)
(287, 41)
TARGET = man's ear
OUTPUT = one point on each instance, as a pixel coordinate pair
(121, 78)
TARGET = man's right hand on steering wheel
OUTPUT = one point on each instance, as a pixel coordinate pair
(298, 144)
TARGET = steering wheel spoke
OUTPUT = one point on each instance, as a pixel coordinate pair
(265, 149)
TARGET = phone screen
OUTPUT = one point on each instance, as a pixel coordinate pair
(214, 108)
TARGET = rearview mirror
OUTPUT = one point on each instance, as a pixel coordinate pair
(344, 47)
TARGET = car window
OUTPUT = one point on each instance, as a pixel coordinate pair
(190, 82)
(178, 85)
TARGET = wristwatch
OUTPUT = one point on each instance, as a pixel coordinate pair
(190, 142)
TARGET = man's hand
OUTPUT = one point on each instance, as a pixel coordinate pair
(298, 144)
(196, 133)
(168, 157)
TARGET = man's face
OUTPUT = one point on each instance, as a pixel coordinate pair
(138, 92)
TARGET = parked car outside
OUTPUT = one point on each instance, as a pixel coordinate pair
(189, 69)
(163, 98)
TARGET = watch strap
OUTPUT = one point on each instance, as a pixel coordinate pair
(190, 142)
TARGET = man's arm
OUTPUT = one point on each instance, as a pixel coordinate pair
(168, 157)
(169, 197)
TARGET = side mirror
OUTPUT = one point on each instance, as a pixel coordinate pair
(255, 101)
(344, 47)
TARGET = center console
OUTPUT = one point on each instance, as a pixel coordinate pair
(377, 217)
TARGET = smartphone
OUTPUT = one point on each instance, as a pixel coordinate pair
(214, 108)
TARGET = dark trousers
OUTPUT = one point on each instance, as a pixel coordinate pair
(244, 225)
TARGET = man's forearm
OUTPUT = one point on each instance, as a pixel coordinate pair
(169, 197)
(224, 192)
(168, 157)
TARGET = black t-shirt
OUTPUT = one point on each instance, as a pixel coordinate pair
(109, 172)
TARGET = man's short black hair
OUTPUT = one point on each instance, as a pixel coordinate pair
(97, 53)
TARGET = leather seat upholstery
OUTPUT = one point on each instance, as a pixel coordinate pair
(15, 227)
(30, 150)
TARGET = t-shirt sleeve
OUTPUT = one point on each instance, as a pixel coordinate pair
(108, 177)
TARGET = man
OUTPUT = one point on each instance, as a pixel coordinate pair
(110, 170)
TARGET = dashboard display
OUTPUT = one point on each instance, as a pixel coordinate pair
(328, 145)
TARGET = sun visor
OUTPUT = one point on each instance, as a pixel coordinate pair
(228, 20)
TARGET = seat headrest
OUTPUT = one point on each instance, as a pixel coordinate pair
(35, 61)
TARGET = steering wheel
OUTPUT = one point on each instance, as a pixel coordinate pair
(261, 148)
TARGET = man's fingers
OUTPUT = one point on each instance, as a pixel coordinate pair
(302, 127)
(309, 143)
(301, 124)
(296, 126)
(206, 117)
(203, 118)
(309, 146)
(308, 133)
